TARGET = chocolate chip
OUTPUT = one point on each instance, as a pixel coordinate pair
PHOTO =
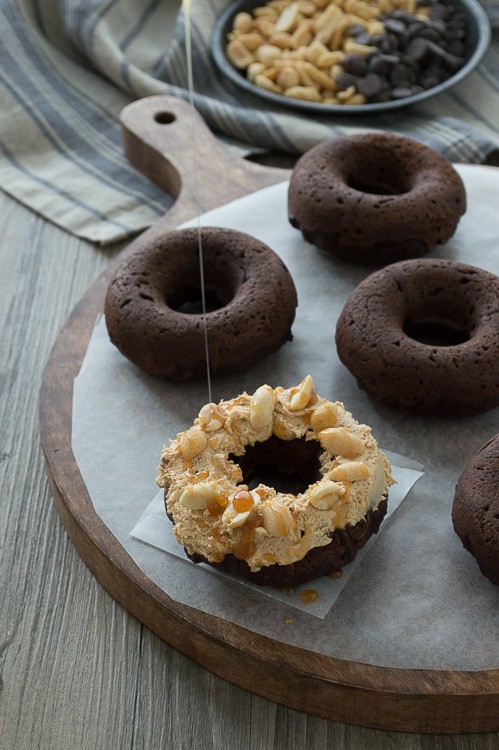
(455, 48)
(417, 49)
(401, 75)
(394, 41)
(386, 45)
(390, 59)
(451, 62)
(454, 34)
(429, 82)
(395, 26)
(345, 80)
(414, 28)
(431, 34)
(401, 15)
(383, 96)
(364, 38)
(435, 71)
(458, 20)
(378, 65)
(439, 12)
(356, 29)
(412, 64)
(355, 64)
(377, 39)
(370, 85)
(438, 26)
(401, 92)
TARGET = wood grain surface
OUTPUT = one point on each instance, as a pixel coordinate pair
(77, 670)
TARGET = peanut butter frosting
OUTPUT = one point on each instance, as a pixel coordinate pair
(214, 511)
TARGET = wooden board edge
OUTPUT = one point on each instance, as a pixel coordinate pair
(351, 692)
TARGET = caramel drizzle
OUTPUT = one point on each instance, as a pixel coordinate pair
(186, 4)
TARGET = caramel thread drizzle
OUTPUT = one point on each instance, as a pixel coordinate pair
(186, 4)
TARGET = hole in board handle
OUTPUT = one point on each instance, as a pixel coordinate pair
(164, 118)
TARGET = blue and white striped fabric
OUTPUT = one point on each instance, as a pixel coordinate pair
(67, 69)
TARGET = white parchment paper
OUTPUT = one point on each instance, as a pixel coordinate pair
(153, 527)
(416, 599)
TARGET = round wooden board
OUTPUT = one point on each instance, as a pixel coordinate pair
(161, 136)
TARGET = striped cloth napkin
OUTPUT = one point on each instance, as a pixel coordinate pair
(67, 69)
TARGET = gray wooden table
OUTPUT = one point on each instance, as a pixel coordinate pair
(77, 671)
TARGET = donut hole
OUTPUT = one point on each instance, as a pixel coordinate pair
(379, 176)
(186, 296)
(436, 332)
(189, 300)
(373, 187)
(288, 466)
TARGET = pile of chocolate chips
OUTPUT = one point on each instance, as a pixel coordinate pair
(414, 55)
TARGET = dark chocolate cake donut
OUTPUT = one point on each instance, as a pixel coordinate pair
(319, 561)
(154, 315)
(475, 511)
(424, 335)
(280, 486)
(375, 198)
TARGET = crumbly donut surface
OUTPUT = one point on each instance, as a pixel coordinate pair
(475, 510)
(254, 295)
(215, 514)
(375, 197)
(375, 341)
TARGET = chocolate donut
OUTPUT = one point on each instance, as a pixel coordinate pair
(475, 511)
(375, 198)
(319, 561)
(153, 311)
(424, 335)
(280, 486)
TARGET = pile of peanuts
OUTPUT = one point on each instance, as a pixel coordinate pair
(295, 48)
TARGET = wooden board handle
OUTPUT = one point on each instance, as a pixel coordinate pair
(167, 140)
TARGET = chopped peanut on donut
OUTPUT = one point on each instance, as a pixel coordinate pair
(343, 476)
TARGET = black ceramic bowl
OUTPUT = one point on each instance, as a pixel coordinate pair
(476, 43)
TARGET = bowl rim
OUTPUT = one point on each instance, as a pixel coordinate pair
(471, 7)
